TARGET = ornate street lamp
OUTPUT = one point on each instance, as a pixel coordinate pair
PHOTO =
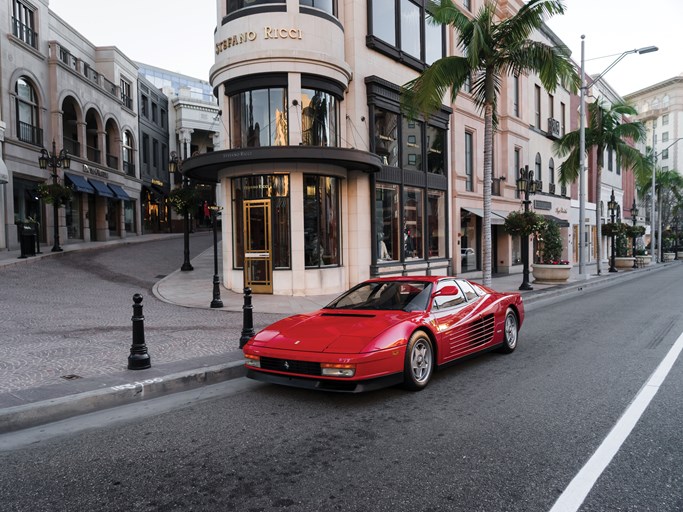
(55, 161)
(634, 219)
(175, 165)
(612, 206)
(216, 302)
(526, 186)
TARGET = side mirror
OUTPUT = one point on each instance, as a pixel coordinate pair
(448, 290)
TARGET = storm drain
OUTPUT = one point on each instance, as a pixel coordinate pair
(71, 377)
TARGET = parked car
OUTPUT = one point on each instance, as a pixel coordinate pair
(384, 332)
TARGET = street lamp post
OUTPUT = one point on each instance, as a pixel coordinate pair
(216, 302)
(54, 161)
(582, 150)
(175, 165)
(526, 186)
(612, 205)
(634, 219)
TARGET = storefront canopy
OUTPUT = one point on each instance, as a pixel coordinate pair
(101, 188)
(79, 183)
(560, 222)
(497, 218)
(119, 192)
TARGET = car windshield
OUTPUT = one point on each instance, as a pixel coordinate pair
(385, 295)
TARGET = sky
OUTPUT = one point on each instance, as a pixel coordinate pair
(178, 35)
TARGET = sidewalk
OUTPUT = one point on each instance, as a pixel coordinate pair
(30, 407)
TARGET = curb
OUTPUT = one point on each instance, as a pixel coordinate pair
(47, 411)
(30, 415)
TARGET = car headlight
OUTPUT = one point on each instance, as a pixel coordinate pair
(253, 361)
(338, 370)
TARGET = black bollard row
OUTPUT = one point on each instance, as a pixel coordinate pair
(247, 318)
(139, 358)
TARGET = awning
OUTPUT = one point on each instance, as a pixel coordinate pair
(119, 192)
(80, 183)
(560, 222)
(101, 189)
(497, 219)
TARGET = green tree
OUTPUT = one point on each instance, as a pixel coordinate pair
(669, 190)
(605, 130)
(491, 49)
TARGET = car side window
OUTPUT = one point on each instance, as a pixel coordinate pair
(467, 289)
(448, 301)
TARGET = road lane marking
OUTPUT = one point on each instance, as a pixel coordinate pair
(577, 490)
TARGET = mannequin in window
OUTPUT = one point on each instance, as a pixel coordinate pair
(408, 245)
(382, 252)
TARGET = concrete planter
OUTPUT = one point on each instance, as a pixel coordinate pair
(551, 274)
(679, 255)
(623, 262)
(643, 261)
(669, 256)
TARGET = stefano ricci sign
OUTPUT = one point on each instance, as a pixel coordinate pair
(250, 36)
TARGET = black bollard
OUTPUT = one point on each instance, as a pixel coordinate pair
(248, 319)
(139, 358)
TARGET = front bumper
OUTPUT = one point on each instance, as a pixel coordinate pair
(335, 385)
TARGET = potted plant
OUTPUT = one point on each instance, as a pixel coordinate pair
(549, 267)
(622, 242)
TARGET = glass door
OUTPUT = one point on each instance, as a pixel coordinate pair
(258, 253)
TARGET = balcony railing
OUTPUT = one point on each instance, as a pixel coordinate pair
(553, 128)
(109, 86)
(29, 133)
(129, 168)
(24, 32)
(113, 161)
(93, 154)
(551, 188)
(127, 101)
(68, 59)
(72, 146)
(91, 74)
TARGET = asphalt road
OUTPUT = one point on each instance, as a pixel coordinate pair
(494, 433)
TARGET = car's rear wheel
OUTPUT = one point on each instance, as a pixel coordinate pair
(419, 362)
(511, 331)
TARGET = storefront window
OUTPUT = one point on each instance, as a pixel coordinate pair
(468, 241)
(413, 235)
(436, 222)
(321, 221)
(319, 118)
(275, 188)
(329, 6)
(412, 145)
(259, 118)
(72, 209)
(436, 139)
(234, 5)
(386, 136)
(516, 250)
(387, 223)
(129, 216)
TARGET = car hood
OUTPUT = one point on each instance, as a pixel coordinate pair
(337, 331)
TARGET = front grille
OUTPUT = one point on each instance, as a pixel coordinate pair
(289, 366)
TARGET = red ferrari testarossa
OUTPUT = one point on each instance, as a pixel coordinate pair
(385, 331)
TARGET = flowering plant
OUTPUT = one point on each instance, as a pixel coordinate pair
(183, 199)
(523, 223)
(54, 193)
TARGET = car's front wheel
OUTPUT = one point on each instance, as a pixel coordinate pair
(511, 331)
(419, 362)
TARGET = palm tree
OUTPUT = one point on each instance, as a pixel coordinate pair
(669, 190)
(491, 50)
(605, 131)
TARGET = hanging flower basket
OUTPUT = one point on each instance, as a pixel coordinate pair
(635, 231)
(613, 228)
(55, 193)
(183, 199)
(523, 223)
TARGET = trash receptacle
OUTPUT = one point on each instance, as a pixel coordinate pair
(27, 240)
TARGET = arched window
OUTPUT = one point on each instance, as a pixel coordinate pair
(538, 169)
(27, 113)
(551, 171)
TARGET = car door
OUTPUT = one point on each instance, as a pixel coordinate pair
(452, 315)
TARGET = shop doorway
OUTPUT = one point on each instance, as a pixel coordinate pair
(258, 252)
